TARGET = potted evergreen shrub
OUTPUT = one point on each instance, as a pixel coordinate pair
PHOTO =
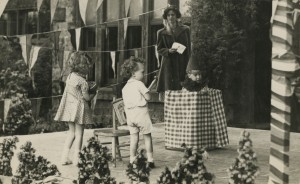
(190, 169)
(139, 171)
(32, 168)
(93, 164)
(244, 169)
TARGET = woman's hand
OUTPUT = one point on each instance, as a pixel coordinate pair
(172, 50)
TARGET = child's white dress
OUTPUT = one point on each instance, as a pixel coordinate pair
(73, 107)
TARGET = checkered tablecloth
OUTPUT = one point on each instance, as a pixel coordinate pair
(195, 118)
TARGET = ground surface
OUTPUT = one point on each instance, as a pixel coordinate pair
(50, 146)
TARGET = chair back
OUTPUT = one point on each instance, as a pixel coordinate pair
(118, 106)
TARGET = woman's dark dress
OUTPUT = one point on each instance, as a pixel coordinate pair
(173, 67)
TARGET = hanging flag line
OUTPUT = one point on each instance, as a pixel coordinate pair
(89, 51)
(112, 85)
(92, 25)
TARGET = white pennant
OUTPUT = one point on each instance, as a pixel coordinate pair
(125, 27)
(34, 53)
(82, 9)
(113, 62)
(78, 33)
(296, 14)
(127, 5)
(99, 3)
(53, 8)
(141, 4)
(39, 4)
(23, 43)
(157, 58)
(7, 103)
(3, 4)
(274, 7)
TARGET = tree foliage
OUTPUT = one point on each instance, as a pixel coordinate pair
(219, 32)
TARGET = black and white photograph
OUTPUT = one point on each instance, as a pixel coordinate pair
(149, 92)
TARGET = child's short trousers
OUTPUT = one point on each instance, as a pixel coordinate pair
(138, 120)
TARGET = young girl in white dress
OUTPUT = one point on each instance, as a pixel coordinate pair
(74, 108)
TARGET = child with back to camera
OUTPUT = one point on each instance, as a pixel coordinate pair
(135, 97)
(74, 108)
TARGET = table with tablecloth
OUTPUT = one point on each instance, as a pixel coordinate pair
(195, 118)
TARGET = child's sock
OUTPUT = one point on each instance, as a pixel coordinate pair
(132, 158)
(150, 157)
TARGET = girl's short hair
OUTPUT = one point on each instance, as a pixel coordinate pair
(130, 66)
(78, 61)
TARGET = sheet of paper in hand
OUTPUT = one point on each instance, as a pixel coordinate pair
(180, 48)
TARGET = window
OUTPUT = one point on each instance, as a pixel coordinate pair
(133, 40)
(3, 24)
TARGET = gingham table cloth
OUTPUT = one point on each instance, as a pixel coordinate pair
(195, 118)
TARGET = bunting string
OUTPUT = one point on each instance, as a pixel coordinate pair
(90, 51)
(99, 88)
(91, 25)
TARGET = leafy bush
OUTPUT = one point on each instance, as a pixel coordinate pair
(93, 163)
(6, 154)
(139, 170)
(32, 167)
(14, 79)
(190, 169)
(244, 169)
(19, 116)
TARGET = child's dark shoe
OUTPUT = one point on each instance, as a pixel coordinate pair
(151, 165)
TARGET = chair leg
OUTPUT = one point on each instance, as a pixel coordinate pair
(118, 149)
(113, 150)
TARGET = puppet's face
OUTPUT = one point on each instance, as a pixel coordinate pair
(195, 75)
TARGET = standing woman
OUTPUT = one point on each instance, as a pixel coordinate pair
(172, 71)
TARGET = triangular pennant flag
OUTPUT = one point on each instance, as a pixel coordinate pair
(34, 53)
(296, 14)
(78, 34)
(7, 103)
(82, 9)
(73, 37)
(99, 4)
(53, 8)
(125, 27)
(157, 58)
(274, 7)
(141, 4)
(3, 4)
(39, 4)
(106, 32)
(23, 43)
(113, 62)
(127, 5)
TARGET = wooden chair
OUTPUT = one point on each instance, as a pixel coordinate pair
(114, 132)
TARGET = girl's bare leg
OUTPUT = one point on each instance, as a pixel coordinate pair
(79, 129)
(68, 144)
